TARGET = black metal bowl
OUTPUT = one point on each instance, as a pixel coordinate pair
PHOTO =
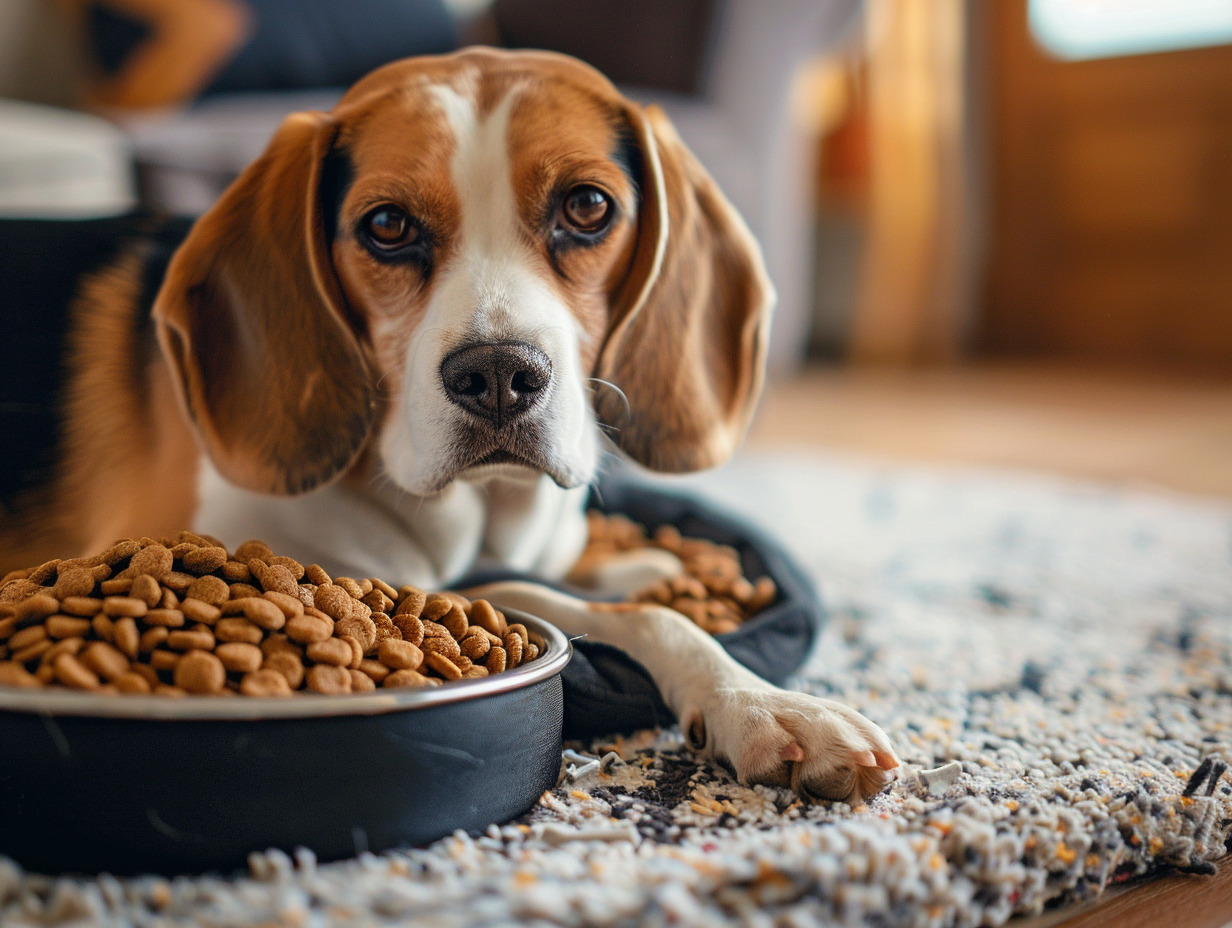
(131, 784)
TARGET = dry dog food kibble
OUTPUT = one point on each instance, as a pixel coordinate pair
(182, 617)
(712, 591)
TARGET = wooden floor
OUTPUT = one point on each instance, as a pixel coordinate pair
(1133, 428)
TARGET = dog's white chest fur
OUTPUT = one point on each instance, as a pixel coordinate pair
(513, 519)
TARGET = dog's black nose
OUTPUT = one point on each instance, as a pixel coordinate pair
(496, 380)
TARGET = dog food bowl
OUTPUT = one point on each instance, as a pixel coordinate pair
(131, 784)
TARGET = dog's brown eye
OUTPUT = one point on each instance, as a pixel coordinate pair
(389, 227)
(586, 209)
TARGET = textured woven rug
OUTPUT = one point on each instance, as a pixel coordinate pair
(1052, 659)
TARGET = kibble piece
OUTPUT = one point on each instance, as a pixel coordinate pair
(125, 605)
(74, 582)
(262, 612)
(66, 626)
(8, 625)
(209, 589)
(239, 656)
(287, 664)
(530, 652)
(81, 605)
(475, 644)
(168, 618)
(400, 655)
(71, 672)
(198, 611)
(378, 584)
(132, 683)
(333, 651)
(199, 637)
(235, 572)
(146, 589)
(243, 591)
(352, 589)
(116, 586)
(436, 608)
(357, 652)
(176, 581)
(200, 672)
(324, 678)
(121, 551)
(306, 629)
(151, 638)
(164, 660)
(295, 568)
(18, 589)
(377, 601)
(165, 689)
(106, 661)
(291, 606)
(520, 630)
(126, 638)
(14, 674)
(265, 682)
(476, 672)
(146, 672)
(513, 649)
(155, 560)
(30, 651)
(316, 575)
(411, 600)
(237, 629)
(104, 627)
(442, 665)
(36, 608)
(410, 626)
(280, 642)
(204, 560)
(485, 615)
(277, 578)
(455, 621)
(360, 682)
(26, 637)
(374, 669)
(359, 627)
(446, 647)
(401, 678)
(253, 547)
(44, 572)
(336, 602)
(497, 660)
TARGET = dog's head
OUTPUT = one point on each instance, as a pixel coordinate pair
(465, 267)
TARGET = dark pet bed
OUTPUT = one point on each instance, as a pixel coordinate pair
(606, 691)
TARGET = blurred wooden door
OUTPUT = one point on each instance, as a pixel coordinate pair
(1111, 202)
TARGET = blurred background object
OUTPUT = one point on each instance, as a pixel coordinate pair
(1006, 220)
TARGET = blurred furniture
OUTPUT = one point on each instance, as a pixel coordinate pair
(55, 162)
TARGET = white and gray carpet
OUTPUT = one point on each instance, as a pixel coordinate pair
(1059, 654)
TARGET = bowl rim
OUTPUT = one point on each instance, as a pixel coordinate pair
(46, 702)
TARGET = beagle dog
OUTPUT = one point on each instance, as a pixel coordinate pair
(393, 347)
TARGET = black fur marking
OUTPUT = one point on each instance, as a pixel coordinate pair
(337, 175)
(42, 266)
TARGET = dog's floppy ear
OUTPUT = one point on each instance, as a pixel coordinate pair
(252, 320)
(687, 339)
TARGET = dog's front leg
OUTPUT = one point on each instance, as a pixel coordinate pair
(818, 747)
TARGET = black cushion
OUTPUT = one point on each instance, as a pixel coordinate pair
(606, 691)
(332, 43)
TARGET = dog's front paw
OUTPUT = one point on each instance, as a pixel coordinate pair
(818, 747)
